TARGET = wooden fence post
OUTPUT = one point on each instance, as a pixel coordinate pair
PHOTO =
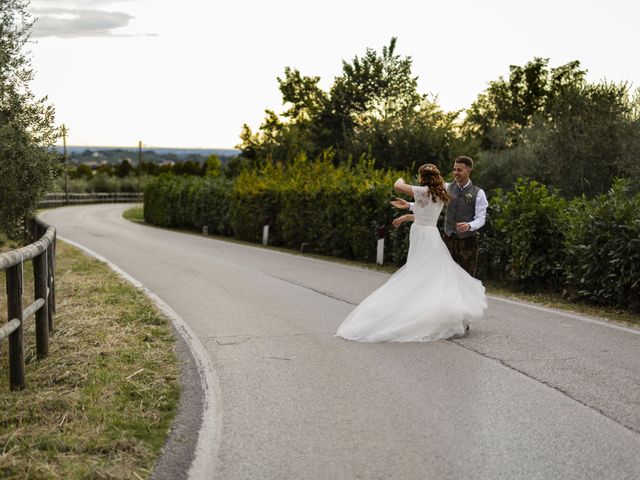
(40, 275)
(16, 339)
(51, 252)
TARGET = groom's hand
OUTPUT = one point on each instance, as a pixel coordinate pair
(463, 227)
(400, 203)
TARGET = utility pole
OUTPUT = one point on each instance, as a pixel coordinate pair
(66, 165)
(139, 165)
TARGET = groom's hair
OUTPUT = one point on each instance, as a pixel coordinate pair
(465, 161)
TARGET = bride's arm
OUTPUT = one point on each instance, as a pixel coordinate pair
(402, 187)
(404, 218)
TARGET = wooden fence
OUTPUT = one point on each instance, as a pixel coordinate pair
(42, 254)
(60, 199)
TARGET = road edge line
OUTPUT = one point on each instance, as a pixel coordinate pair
(574, 316)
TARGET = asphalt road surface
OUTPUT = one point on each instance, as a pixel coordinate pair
(530, 393)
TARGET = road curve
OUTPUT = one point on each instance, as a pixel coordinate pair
(530, 394)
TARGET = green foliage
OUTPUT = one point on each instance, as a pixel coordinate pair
(123, 169)
(500, 114)
(603, 248)
(372, 109)
(593, 136)
(212, 167)
(82, 171)
(552, 126)
(188, 202)
(28, 164)
(524, 237)
(100, 182)
(333, 209)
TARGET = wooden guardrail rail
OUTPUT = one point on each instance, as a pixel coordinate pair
(42, 254)
(60, 199)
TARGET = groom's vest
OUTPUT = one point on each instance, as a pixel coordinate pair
(461, 208)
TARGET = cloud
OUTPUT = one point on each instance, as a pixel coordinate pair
(75, 22)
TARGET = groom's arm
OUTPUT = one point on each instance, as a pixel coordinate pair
(480, 215)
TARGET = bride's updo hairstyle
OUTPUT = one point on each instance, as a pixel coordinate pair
(430, 177)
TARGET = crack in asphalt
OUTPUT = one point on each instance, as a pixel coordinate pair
(302, 285)
(503, 362)
(548, 384)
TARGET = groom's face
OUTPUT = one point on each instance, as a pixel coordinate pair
(461, 173)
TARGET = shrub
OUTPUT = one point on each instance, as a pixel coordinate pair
(524, 236)
(603, 248)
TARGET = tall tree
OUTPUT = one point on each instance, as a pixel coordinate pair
(372, 109)
(28, 162)
(500, 114)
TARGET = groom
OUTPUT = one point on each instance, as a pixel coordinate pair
(465, 215)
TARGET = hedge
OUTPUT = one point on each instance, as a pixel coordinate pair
(533, 240)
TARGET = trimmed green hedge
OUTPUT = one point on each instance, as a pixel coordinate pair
(332, 210)
(534, 239)
(188, 202)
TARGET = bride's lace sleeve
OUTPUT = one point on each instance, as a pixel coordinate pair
(421, 195)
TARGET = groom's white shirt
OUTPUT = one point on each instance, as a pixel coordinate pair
(480, 212)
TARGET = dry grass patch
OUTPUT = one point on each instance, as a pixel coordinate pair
(101, 404)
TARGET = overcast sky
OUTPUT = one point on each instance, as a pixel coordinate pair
(190, 73)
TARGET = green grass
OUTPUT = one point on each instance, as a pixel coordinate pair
(102, 403)
(135, 214)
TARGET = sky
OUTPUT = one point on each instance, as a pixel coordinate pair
(189, 74)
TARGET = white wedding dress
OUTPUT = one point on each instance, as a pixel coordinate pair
(430, 298)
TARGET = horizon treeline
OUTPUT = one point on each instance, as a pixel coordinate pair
(545, 123)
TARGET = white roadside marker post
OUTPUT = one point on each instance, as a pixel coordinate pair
(380, 235)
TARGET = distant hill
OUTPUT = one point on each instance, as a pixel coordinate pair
(179, 152)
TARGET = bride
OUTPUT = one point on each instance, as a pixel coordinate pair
(431, 297)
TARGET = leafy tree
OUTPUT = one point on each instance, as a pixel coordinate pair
(500, 114)
(372, 110)
(587, 137)
(28, 163)
(212, 166)
(106, 169)
(188, 167)
(124, 168)
(82, 171)
(591, 138)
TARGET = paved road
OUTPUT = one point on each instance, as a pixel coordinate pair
(530, 393)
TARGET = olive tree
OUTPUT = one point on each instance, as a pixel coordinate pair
(28, 162)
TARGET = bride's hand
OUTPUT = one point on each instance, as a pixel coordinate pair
(400, 203)
(399, 221)
(399, 181)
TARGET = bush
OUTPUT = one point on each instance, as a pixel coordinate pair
(603, 248)
(334, 210)
(187, 202)
(523, 239)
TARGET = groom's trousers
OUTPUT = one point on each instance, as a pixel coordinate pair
(464, 251)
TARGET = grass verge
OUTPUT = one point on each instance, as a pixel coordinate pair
(102, 403)
(544, 299)
(135, 214)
